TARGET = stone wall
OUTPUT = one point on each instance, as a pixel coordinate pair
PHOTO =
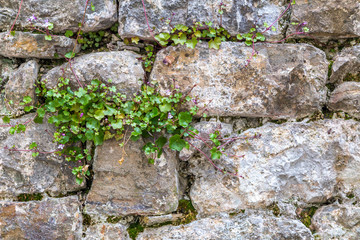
(301, 178)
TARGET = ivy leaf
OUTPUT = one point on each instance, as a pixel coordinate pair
(92, 7)
(27, 99)
(184, 119)
(70, 55)
(79, 180)
(117, 125)
(28, 108)
(197, 34)
(41, 112)
(69, 33)
(12, 33)
(50, 26)
(162, 38)
(260, 36)
(161, 141)
(99, 114)
(293, 2)
(273, 28)
(33, 145)
(191, 43)
(215, 43)
(306, 29)
(6, 119)
(92, 123)
(135, 40)
(165, 107)
(239, 37)
(81, 92)
(179, 40)
(99, 139)
(248, 42)
(176, 143)
(48, 37)
(215, 153)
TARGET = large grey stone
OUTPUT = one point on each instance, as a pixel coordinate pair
(123, 68)
(346, 97)
(239, 227)
(328, 19)
(22, 173)
(135, 186)
(283, 81)
(49, 219)
(238, 17)
(303, 163)
(346, 65)
(337, 221)
(106, 231)
(21, 83)
(26, 45)
(65, 14)
(7, 66)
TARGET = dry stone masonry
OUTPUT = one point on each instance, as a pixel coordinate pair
(300, 176)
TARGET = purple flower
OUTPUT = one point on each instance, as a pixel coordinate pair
(32, 18)
(168, 92)
(46, 23)
(61, 146)
(170, 116)
(81, 115)
(195, 101)
(63, 134)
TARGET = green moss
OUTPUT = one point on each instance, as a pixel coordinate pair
(187, 209)
(236, 213)
(113, 219)
(330, 86)
(306, 215)
(350, 195)
(279, 121)
(275, 209)
(87, 220)
(134, 229)
(352, 77)
(330, 67)
(30, 197)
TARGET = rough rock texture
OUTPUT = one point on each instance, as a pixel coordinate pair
(135, 186)
(283, 81)
(238, 17)
(48, 219)
(26, 45)
(65, 14)
(205, 128)
(106, 231)
(21, 83)
(303, 162)
(7, 66)
(346, 97)
(247, 227)
(21, 173)
(346, 65)
(327, 18)
(337, 221)
(123, 68)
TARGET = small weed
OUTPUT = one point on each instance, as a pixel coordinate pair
(134, 229)
(30, 197)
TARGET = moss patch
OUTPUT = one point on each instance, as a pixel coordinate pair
(330, 67)
(306, 215)
(113, 219)
(275, 209)
(187, 209)
(134, 229)
(30, 197)
(352, 77)
(87, 220)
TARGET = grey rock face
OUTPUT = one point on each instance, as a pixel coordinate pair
(283, 81)
(337, 221)
(21, 173)
(327, 18)
(123, 68)
(238, 17)
(20, 84)
(7, 66)
(48, 219)
(135, 186)
(346, 65)
(106, 231)
(346, 97)
(26, 45)
(248, 227)
(303, 162)
(65, 14)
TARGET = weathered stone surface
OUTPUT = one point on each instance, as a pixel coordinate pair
(26, 45)
(283, 81)
(48, 219)
(238, 17)
(248, 227)
(21, 173)
(205, 128)
(106, 231)
(303, 162)
(327, 18)
(337, 221)
(346, 65)
(156, 220)
(346, 97)
(7, 66)
(21, 83)
(123, 68)
(65, 14)
(135, 186)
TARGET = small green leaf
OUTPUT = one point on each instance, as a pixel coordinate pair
(12, 33)
(179, 40)
(151, 160)
(28, 108)
(79, 180)
(33, 145)
(273, 29)
(215, 153)
(239, 37)
(27, 99)
(6, 119)
(165, 107)
(306, 29)
(260, 36)
(41, 112)
(135, 40)
(50, 26)
(293, 2)
(92, 7)
(161, 141)
(69, 33)
(48, 37)
(70, 55)
(35, 154)
(215, 43)
(176, 143)
(185, 119)
(191, 43)
(252, 30)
